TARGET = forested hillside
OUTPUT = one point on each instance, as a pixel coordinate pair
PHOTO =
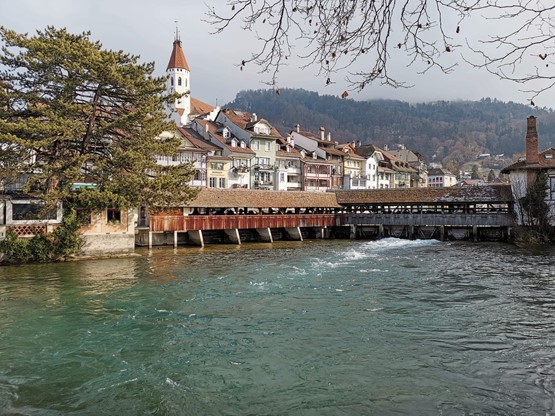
(441, 131)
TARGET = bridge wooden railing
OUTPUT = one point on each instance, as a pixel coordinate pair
(494, 219)
(230, 222)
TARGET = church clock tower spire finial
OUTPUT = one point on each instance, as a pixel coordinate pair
(177, 33)
(179, 81)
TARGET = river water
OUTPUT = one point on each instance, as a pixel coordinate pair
(389, 327)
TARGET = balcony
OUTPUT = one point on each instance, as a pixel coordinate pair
(240, 170)
(263, 166)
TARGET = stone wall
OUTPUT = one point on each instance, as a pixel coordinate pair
(107, 244)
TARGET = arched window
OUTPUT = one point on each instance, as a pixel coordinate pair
(172, 82)
(179, 81)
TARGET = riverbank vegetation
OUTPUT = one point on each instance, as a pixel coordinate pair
(64, 241)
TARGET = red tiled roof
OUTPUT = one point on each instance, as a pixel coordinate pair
(293, 154)
(242, 119)
(546, 161)
(439, 172)
(227, 198)
(213, 128)
(177, 58)
(196, 139)
(200, 107)
(484, 194)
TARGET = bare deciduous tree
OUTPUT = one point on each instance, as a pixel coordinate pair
(336, 34)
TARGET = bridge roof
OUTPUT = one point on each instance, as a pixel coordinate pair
(464, 194)
(238, 198)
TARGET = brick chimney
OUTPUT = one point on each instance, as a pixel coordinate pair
(322, 133)
(532, 148)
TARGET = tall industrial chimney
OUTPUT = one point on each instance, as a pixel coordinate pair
(532, 147)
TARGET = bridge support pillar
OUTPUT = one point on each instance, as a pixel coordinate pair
(175, 239)
(196, 237)
(233, 235)
(353, 233)
(294, 233)
(474, 233)
(265, 234)
(411, 232)
(380, 231)
(442, 233)
(149, 239)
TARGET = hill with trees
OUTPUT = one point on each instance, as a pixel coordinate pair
(450, 132)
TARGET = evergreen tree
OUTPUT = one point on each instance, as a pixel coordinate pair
(491, 175)
(72, 112)
(534, 205)
(475, 173)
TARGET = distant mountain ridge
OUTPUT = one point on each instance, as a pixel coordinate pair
(441, 131)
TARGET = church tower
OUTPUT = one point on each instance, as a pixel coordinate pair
(179, 82)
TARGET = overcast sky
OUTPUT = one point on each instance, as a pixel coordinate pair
(147, 28)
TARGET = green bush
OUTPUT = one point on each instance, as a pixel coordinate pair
(63, 242)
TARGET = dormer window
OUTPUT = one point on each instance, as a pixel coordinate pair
(261, 128)
(549, 155)
(303, 154)
(243, 144)
(226, 133)
(234, 143)
(314, 155)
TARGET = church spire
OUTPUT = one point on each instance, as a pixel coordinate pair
(179, 82)
(177, 58)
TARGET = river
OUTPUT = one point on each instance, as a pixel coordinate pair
(389, 327)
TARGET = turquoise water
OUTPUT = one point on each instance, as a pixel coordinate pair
(391, 327)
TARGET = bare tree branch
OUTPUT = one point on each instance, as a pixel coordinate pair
(335, 36)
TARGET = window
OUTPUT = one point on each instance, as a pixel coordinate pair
(221, 182)
(179, 81)
(254, 145)
(262, 161)
(212, 182)
(261, 130)
(217, 165)
(268, 144)
(172, 82)
(113, 215)
(21, 212)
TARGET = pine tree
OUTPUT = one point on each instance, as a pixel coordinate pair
(475, 173)
(72, 112)
(491, 175)
(534, 205)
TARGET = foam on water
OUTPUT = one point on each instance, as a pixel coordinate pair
(387, 327)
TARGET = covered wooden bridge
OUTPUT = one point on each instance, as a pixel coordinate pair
(236, 215)
(472, 212)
